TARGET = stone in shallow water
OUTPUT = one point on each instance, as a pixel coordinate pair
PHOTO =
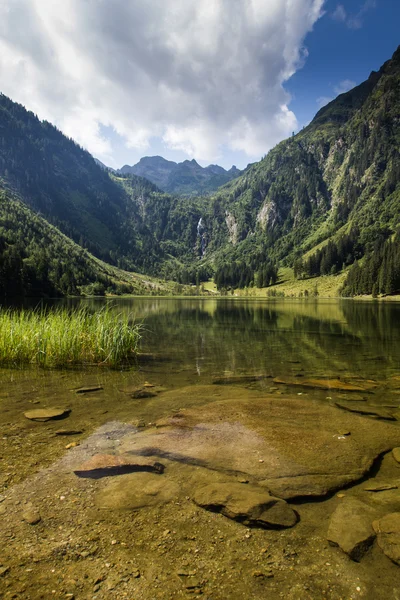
(47, 414)
(351, 529)
(380, 487)
(31, 516)
(248, 504)
(388, 532)
(237, 379)
(367, 410)
(107, 465)
(288, 445)
(135, 491)
(88, 389)
(326, 384)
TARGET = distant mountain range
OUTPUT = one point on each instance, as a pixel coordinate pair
(321, 201)
(185, 178)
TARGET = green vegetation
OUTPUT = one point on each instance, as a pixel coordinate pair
(318, 202)
(379, 273)
(62, 338)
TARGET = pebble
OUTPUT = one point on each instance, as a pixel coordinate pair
(32, 517)
(72, 445)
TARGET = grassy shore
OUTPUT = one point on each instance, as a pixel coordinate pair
(62, 338)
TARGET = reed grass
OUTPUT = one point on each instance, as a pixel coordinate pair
(62, 338)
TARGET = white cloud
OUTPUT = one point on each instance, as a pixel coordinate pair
(323, 101)
(344, 86)
(339, 13)
(199, 74)
(355, 20)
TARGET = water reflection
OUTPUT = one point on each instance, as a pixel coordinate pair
(215, 336)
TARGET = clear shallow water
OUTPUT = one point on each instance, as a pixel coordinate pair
(194, 341)
(187, 344)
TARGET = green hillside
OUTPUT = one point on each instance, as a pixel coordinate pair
(37, 260)
(337, 180)
(322, 201)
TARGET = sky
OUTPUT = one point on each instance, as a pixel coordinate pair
(221, 81)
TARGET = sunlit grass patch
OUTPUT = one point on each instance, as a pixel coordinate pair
(62, 338)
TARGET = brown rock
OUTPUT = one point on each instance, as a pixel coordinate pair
(367, 410)
(380, 487)
(351, 529)
(143, 393)
(46, 414)
(31, 516)
(237, 379)
(301, 456)
(248, 504)
(106, 465)
(135, 491)
(326, 384)
(388, 532)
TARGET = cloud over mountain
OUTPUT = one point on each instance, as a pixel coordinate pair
(198, 74)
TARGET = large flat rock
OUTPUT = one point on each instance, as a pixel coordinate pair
(290, 446)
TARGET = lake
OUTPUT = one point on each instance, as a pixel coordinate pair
(332, 357)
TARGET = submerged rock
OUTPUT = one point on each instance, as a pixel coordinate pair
(107, 465)
(47, 414)
(351, 529)
(236, 379)
(388, 533)
(143, 393)
(288, 445)
(367, 410)
(326, 384)
(248, 504)
(135, 491)
(87, 390)
(380, 487)
(31, 516)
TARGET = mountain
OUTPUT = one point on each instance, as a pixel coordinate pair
(58, 179)
(323, 198)
(321, 201)
(186, 178)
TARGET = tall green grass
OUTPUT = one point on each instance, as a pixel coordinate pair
(62, 338)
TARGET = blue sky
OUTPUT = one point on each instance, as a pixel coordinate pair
(221, 81)
(343, 48)
(342, 51)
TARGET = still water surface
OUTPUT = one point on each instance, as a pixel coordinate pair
(194, 341)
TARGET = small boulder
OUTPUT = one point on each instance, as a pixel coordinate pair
(351, 529)
(388, 532)
(247, 504)
(47, 414)
(31, 516)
